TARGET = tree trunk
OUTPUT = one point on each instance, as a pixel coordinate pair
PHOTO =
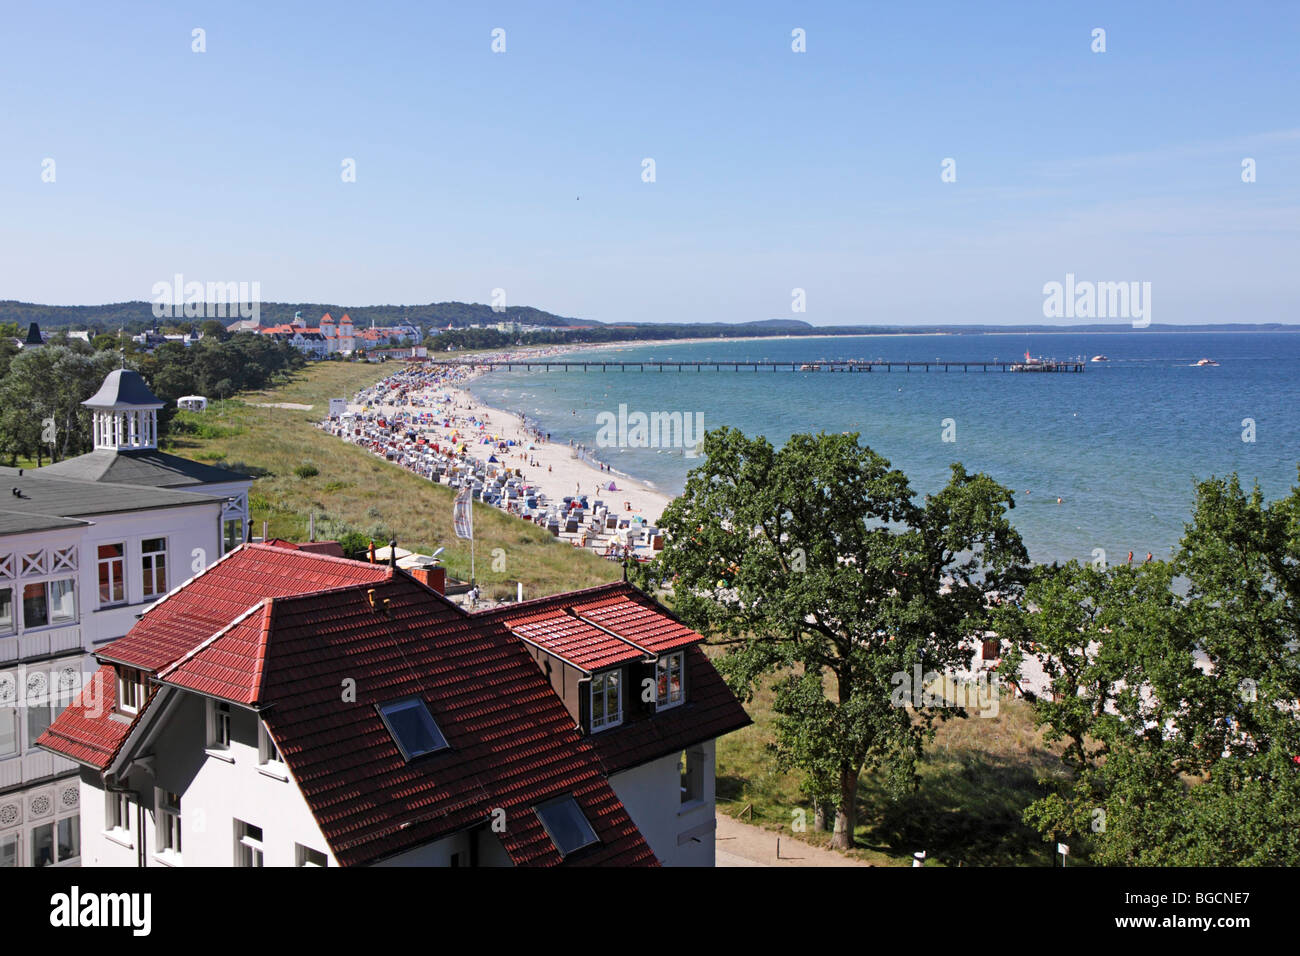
(819, 817)
(846, 814)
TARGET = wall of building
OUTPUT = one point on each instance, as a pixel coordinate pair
(679, 834)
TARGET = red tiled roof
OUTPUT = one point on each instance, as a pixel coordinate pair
(585, 647)
(710, 709)
(599, 627)
(512, 744)
(212, 600)
(87, 731)
(283, 631)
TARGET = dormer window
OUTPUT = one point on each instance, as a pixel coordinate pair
(130, 690)
(668, 673)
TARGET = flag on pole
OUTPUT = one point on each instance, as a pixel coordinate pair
(463, 515)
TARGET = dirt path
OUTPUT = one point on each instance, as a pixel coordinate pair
(741, 844)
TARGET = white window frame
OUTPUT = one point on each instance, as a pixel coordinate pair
(269, 759)
(110, 601)
(601, 680)
(149, 568)
(220, 721)
(250, 851)
(168, 814)
(119, 813)
(665, 663)
(16, 836)
(691, 764)
(14, 604)
(130, 679)
(302, 856)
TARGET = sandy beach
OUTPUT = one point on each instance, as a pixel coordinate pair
(423, 418)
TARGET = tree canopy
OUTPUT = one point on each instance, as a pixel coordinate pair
(815, 563)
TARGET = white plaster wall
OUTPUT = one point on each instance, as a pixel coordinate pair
(652, 795)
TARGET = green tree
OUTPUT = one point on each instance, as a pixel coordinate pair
(1174, 687)
(815, 563)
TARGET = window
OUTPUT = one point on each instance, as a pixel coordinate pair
(153, 566)
(62, 601)
(232, 534)
(306, 856)
(43, 845)
(566, 825)
(36, 609)
(218, 725)
(8, 730)
(6, 610)
(58, 842)
(248, 845)
(9, 851)
(991, 650)
(169, 822)
(39, 717)
(68, 844)
(117, 811)
(130, 690)
(268, 754)
(412, 727)
(606, 700)
(669, 679)
(691, 766)
(112, 571)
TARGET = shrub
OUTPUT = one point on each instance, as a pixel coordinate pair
(306, 471)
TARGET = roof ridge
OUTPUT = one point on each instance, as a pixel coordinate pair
(263, 546)
(209, 641)
(264, 642)
(612, 586)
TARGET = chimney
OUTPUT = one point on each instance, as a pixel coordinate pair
(435, 578)
(392, 553)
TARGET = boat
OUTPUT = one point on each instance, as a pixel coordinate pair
(1099, 358)
(1205, 363)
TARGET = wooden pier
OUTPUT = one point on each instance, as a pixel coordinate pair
(854, 367)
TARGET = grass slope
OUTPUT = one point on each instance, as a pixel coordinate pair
(353, 490)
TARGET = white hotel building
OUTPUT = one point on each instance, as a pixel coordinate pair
(85, 546)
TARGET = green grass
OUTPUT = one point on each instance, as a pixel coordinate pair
(976, 778)
(355, 491)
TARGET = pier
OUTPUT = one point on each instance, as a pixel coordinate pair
(821, 367)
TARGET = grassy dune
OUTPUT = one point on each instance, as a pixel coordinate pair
(352, 490)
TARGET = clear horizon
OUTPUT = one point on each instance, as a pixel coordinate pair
(130, 158)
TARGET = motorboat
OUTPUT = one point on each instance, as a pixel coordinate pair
(1099, 358)
(1204, 363)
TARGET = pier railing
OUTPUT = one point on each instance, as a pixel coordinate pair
(877, 365)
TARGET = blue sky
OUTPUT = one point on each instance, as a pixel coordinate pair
(775, 170)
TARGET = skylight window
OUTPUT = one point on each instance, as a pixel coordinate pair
(412, 727)
(566, 825)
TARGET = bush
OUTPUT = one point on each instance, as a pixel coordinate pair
(355, 545)
(306, 471)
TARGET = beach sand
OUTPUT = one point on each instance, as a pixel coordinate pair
(559, 471)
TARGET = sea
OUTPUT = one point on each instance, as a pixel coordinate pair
(1119, 445)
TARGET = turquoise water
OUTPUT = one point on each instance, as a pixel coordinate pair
(1120, 444)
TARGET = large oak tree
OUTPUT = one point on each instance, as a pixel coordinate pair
(816, 563)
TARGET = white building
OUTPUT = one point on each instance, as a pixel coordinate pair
(288, 708)
(80, 558)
